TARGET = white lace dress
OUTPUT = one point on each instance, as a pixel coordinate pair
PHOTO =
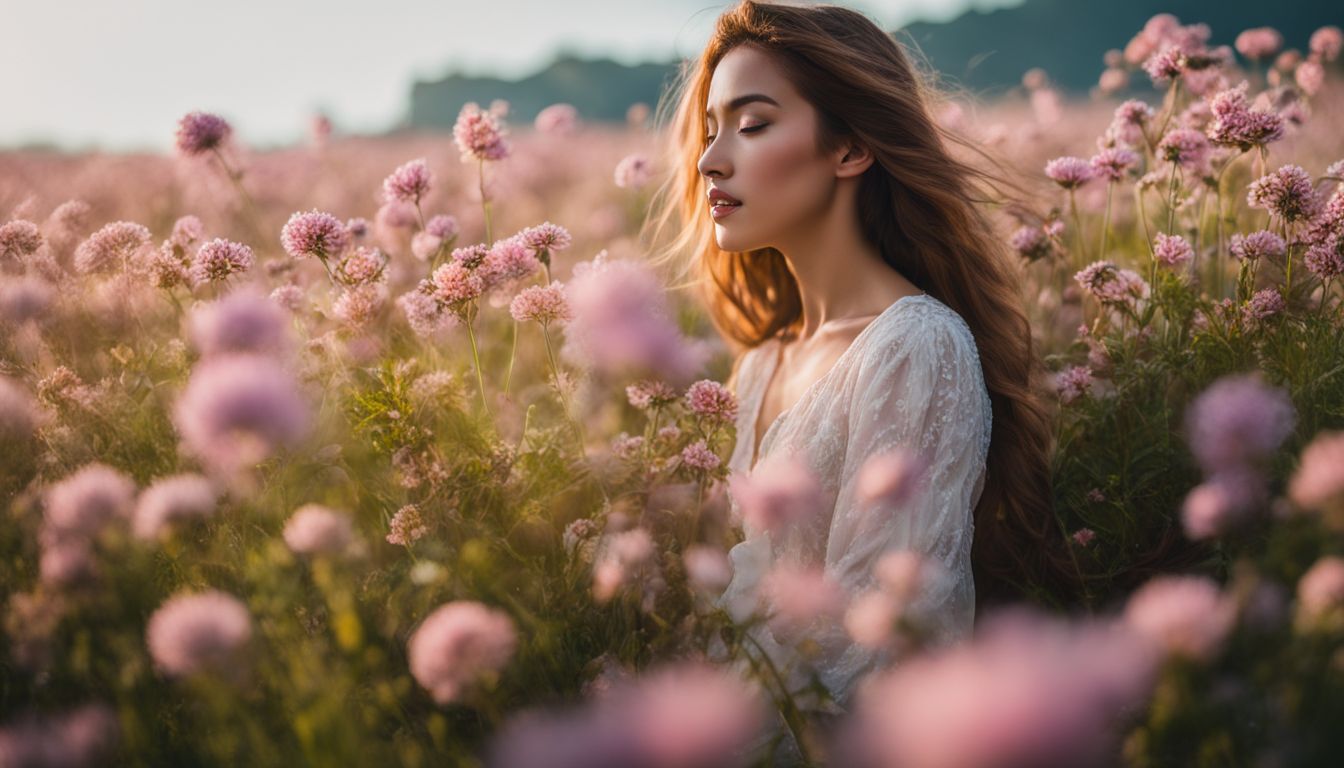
(911, 378)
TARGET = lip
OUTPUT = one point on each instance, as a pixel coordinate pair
(718, 211)
(721, 211)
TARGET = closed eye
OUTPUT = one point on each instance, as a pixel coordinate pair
(748, 129)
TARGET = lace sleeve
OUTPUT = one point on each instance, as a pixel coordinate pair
(920, 389)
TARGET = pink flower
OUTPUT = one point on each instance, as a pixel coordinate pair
(19, 239)
(454, 284)
(891, 478)
(84, 736)
(1128, 122)
(1236, 124)
(121, 242)
(1112, 163)
(1326, 42)
(19, 416)
(1185, 146)
(1111, 285)
(457, 644)
(546, 238)
(1172, 250)
(218, 259)
(193, 633)
(409, 183)
(362, 266)
(291, 297)
(356, 228)
(508, 261)
(1326, 260)
(1319, 479)
(1321, 589)
(187, 230)
(240, 409)
(697, 455)
(1028, 690)
(796, 596)
(1264, 304)
(691, 714)
(707, 568)
(1286, 193)
(442, 226)
(541, 303)
(1073, 382)
(200, 132)
(633, 171)
(407, 526)
(24, 298)
(1257, 245)
(358, 307)
(624, 557)
(1259, 43)
(317, 530)
(423, 312)
(1182, 615)
(1084, 536)
(1309, 76)
(480, 135)
(1220, 503)
(171, 500)
(79, 506)
(242, 321)
(1030, 242)
(650, 394)
(314, 233)
(557, 119)
(1167, 64)
(1070, 172)
(1237, 422)
(712, 400)
(778, 492)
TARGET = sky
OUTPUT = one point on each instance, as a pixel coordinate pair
(116, 75)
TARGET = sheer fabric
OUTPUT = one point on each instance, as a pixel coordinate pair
(910, 379)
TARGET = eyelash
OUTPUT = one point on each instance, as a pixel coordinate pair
(748, 129)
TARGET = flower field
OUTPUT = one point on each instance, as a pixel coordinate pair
(401, 449)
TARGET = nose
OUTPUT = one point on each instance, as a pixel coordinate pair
(712, 163)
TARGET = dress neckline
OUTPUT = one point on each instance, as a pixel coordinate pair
(807, 394)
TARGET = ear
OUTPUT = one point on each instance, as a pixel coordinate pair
(854, 159)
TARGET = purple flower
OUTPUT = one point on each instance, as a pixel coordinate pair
(712, 400)
(317, 530)
(456, 645)
(314, 233)
(1257, 245)
(557, 119)
(173, 499)
(358, 307)
(119, 242)
(698, 455)
(1069, 172)
(1185, 146)
(1172, 250)
(1264, 304)
(80, 505)
(24, 298)
(291, 297)
(194, 633)
(633, 171)
(186, 230)
(1073, 382)
(18, 411)
(1221, 502)
(542, 304)
(1181, 615)
(19, 239)
(625, 557)
(1286, 193)
(218, 259)
(1111, 285)
(237, 410)
(1236, 124)
(479, 135)
(1237, 422)
(407, 526)
(1167, 64)
(1112, 163)
(508, 261)
(424, 313)
(199, 132)
(650, 394)
(409, 182)
(243, 321)
(442, 226)
(1128, 123)
(1326, 260)
(84, 736)
(363, 266)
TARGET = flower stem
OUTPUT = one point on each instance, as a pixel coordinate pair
(485, 204)
(513, 346)
(1106, 219)
(476, 359)
(560, 388)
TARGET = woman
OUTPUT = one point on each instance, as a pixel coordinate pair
(841, 243)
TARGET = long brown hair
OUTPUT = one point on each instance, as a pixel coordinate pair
(919, 205)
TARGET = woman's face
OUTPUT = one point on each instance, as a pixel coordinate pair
(762, 151)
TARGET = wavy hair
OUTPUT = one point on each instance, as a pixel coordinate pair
(921, 207)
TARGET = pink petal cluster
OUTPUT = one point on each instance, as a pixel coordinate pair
(1113, 162)
(361, 266)
(1238, 422)
(19, 239)
(892, 478)
(1128, 123)
(698, 455)
(358, 307)
(409, 183)
(1326, 42)
(1264, 304)
(779, 491)
(1236, 124)
(795, 596)
(84, 736)
(1181, 615)
(1172, 250)
(1073, 382)
(707, 568)
(24, 298)
(1286, 193)
(1259, 43)
(200, 132)
(712, 400)
(1218, 504)
(1321, 589)
(1070, 172)
(624, 558)
(119, 243)
(557, 119)
(218, 259)
(173, 499)
(650, 394)
(1029, 690)
(1257, 245)
(317, 530)
(546, 238)
(314, 233)
(242, 321)
(79, 506)
(406, 526)
(442, 226)
(193, 633)
(1110, 284)
(543, 304)
(633, 171)
(1186, 147)
(19, 416)
(480, 134)
(1319, 478)
(456, 645)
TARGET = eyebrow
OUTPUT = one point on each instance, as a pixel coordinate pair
(743, 100)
